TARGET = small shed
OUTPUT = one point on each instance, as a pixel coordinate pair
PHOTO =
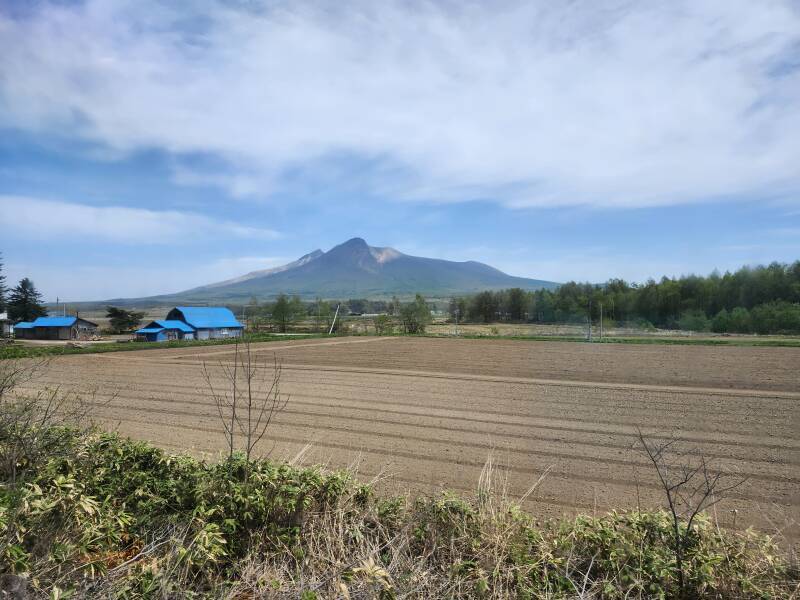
(165, 330)
(208, 322)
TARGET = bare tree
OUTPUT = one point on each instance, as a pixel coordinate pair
(248, 399)
(690, 487)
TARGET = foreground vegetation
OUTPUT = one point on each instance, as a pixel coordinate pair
(100, 515)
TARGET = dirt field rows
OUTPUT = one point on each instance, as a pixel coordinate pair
(429, 412)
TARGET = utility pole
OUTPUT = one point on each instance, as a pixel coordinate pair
(336, 314)
(589, 318)
(457, 311)
(601, 321)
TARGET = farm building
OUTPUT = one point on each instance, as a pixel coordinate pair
(161, 331)
(55, 328)
(209, 322)
(193, 322)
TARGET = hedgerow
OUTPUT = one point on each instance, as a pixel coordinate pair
(107, 516)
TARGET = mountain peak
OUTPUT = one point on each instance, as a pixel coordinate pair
(355, 242)
(355, 269)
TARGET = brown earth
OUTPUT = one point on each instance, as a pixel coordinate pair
(428, 412)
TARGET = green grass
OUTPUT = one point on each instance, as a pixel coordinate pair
(14, 351)
(668, 341)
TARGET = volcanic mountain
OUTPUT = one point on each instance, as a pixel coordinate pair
(356, 270)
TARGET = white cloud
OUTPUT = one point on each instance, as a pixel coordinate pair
(99, 282)
(46, 219)
(531, 103)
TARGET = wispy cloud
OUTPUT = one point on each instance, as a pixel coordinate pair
(103, 282)
(35, 218)
(527, 103)
(793, 232)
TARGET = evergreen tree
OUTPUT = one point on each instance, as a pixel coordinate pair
(484, 307)
(122, 320)
(515, 304)
(2, 287)
(25, 303)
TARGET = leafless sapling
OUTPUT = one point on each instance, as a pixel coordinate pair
(690, 487)
(248, 399)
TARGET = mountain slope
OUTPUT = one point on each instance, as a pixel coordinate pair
(262, 272)
(356, 270)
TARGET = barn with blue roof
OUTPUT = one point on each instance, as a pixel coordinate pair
(56, 328)
(208, 322)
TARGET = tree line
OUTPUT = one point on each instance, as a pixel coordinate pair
(762, 299)
(285, 311)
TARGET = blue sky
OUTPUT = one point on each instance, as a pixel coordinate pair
(146, 149)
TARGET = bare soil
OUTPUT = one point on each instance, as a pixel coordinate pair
(428, 412)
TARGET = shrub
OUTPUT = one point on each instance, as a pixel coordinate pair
(415, 316)
(643, 324)
(383, 325)
(776, 317)
(120, 518)
(721, 322)
(694, 320)
(740, 321)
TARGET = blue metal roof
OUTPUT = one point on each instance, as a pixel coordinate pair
(55, 321)
(23, 325)
(149, 330)
(207, 317)
(180, 325)
(155, 326)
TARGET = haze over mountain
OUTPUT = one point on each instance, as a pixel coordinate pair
(355, 270)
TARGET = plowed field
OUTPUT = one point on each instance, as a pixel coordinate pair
(429, 412)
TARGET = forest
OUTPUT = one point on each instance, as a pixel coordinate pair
(761, 299)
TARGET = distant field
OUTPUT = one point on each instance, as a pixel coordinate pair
(429, 411)
(581, 331)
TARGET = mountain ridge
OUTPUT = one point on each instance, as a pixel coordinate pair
(354, 269)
